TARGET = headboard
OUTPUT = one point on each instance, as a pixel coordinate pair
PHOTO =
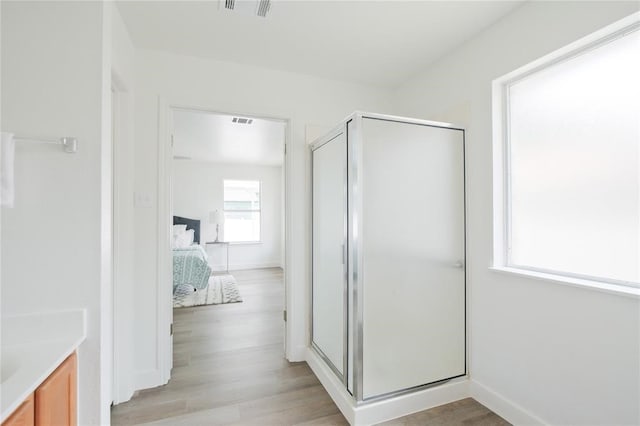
(191, 224)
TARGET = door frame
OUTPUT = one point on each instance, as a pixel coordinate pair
(164, 343)
(122, 244)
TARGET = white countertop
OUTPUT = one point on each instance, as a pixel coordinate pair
(33, 346)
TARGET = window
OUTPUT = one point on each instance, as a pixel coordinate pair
(568, 149)
(242, 210)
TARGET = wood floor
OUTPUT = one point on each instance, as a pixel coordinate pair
(229, 369)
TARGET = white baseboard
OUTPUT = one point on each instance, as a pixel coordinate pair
(146, 379)
(392, 408)
(297, 354)
(503, 407)
(122, 396)
(244, 266)
(332, 385)
(413, 402)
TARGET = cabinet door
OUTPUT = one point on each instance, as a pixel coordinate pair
(329, 251)
(24, 414)
(56, 397)
(413, 256)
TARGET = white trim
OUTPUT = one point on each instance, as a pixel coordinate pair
(146, 379)
(298, 320)
(122, 312)
(498, 168)
(503, 407)
(116, 128)
(616, 289)
(295, 320)
(407, 404)
(298, 353)
(221, 267)
(569, 50)
(388, 409)
(105, 196)
(410, 403)
(501, 168)
(334, 387)
(164, 311)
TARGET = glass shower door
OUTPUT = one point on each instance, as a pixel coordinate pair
(413, 279)
(329, 251)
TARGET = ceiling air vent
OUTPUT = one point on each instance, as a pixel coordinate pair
(241, 120)
(263, 7)
(248, 7)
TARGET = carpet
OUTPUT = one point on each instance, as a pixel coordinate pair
(221, 289)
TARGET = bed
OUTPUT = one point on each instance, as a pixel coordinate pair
(190, 224)
(190, 266)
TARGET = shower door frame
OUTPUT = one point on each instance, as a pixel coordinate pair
(319, 143)
(356, 260)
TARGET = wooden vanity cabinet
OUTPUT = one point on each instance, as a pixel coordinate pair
(56, 397)
(53, 403)
(24, 414)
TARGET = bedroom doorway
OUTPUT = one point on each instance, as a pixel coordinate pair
(227, 203)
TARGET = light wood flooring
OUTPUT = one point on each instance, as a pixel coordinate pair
(229, 368)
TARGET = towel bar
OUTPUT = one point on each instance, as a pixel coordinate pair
(70, 144)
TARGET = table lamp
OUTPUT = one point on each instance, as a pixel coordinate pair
(218, 218)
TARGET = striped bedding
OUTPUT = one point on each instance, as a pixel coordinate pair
(190, 267)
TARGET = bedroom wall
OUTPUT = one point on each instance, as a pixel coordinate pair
(233, 88)
(539, 351)
(198, 190)
(55, 78)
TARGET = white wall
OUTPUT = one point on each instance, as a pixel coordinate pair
(564, 355)
(227, 87)
(53, 85)
(198, 189)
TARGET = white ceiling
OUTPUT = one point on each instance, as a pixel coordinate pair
(374, 42)
(212, 137)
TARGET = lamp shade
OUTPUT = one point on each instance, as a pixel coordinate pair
(216, 217)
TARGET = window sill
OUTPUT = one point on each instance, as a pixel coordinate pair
(245, 243)
(616, 289)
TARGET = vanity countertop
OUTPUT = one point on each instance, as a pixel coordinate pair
(33, 346)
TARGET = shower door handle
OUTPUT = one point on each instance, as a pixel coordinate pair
(459, 264)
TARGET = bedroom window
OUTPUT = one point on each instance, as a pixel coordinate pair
(242, 211)
(566, 152)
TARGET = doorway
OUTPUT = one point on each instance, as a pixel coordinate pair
(226, 188)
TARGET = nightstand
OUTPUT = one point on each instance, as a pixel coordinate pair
(222, 243)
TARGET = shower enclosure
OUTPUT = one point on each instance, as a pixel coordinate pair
(388, 254)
